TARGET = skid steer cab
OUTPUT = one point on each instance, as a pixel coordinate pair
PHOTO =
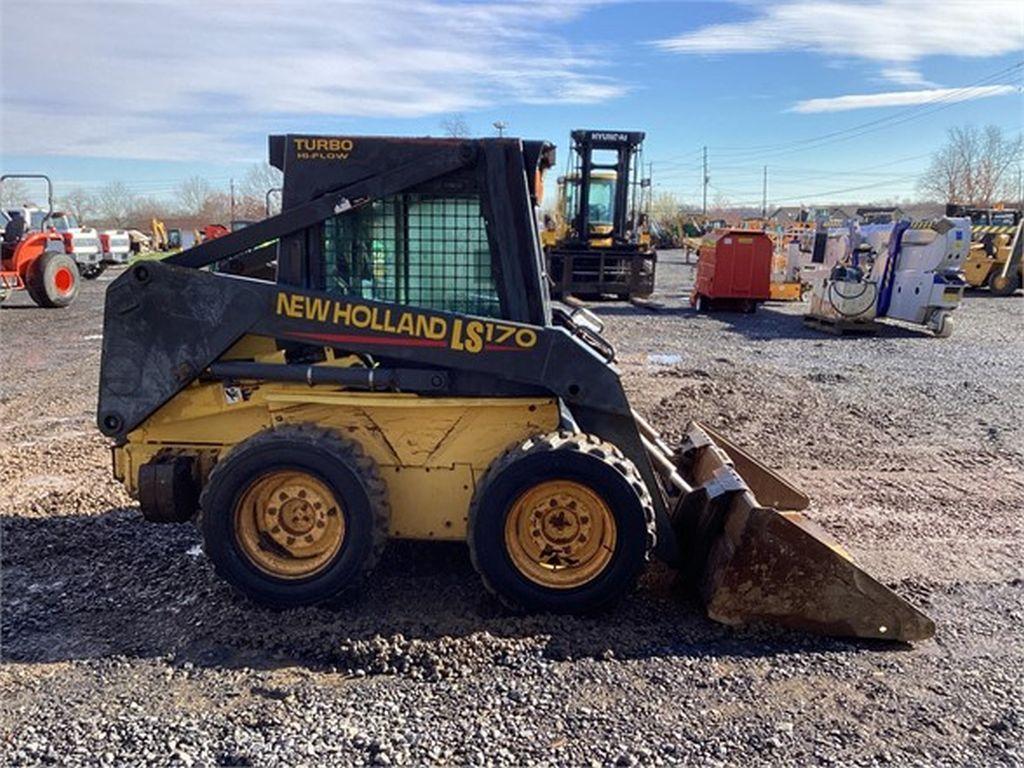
(407, 376)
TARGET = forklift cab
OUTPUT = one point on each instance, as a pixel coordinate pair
(598, 189)
(601, 197)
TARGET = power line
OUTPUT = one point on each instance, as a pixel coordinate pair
(816, 195)
(692, 158)
(946, 100)
(876, 121)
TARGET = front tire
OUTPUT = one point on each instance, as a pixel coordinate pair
(945, 327)
(294, 516)
(52, 280)
(562, 523)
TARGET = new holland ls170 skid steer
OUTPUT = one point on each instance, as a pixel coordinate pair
(407, 376)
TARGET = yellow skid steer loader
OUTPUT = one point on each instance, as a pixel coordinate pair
(406, 375)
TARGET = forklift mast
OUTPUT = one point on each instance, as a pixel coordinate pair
(625, 208)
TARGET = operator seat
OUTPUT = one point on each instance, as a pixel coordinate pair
(13, 233)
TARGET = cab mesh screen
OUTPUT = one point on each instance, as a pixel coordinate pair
(418, 249)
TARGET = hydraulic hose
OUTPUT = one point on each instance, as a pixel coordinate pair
(864, 290)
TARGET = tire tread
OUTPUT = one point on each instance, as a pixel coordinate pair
(316, 437)
(561, 440)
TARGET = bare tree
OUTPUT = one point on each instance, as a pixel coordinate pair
(455, 126)
(973, 166)
(193, 193)
(259, 178)
(144, 210)
(13, 192)
(80, 203)
(113, 203)
(258, 181)
(669, 216)
(666, 209)
(720, 205)
(216, 209)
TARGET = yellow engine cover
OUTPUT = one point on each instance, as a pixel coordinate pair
(431, 451)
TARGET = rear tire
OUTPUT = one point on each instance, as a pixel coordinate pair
(1003, 286)
(267, 523)
(562, 523)
(52, 280)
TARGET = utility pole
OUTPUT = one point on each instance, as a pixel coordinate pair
(704, 207)
(232, 202)
(764, 194)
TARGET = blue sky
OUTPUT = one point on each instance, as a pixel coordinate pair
(152, 92)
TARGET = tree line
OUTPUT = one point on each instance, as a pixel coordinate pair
(976, 167)
(195, 201)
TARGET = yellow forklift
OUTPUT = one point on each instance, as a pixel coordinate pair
(598, 241)
(994, 260)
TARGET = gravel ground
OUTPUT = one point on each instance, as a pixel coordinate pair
(120, 646)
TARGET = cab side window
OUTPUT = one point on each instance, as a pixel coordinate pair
(424, 250)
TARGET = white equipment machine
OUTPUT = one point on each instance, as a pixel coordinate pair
(903, 271)
(116, 246)
(922, 277)
(844, 298)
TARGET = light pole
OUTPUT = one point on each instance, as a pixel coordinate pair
(500, 126)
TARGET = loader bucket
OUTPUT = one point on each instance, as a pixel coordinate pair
(753, 557)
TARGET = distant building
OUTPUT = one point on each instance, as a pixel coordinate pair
(796, 214)
(880, 214)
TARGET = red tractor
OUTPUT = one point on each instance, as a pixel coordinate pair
(40, 262)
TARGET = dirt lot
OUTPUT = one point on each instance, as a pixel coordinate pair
(119, 645)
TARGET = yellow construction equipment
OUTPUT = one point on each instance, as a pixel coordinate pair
(598, 242)
(407, 376)
(994, 260)
(163, 239)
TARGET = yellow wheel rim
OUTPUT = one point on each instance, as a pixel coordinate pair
(560, 534)
(289, 524)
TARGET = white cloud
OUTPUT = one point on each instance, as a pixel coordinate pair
(908, 77)
(187, 79)
(901, 98)
(899, 31)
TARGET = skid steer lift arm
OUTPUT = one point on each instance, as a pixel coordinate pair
(725, 520)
